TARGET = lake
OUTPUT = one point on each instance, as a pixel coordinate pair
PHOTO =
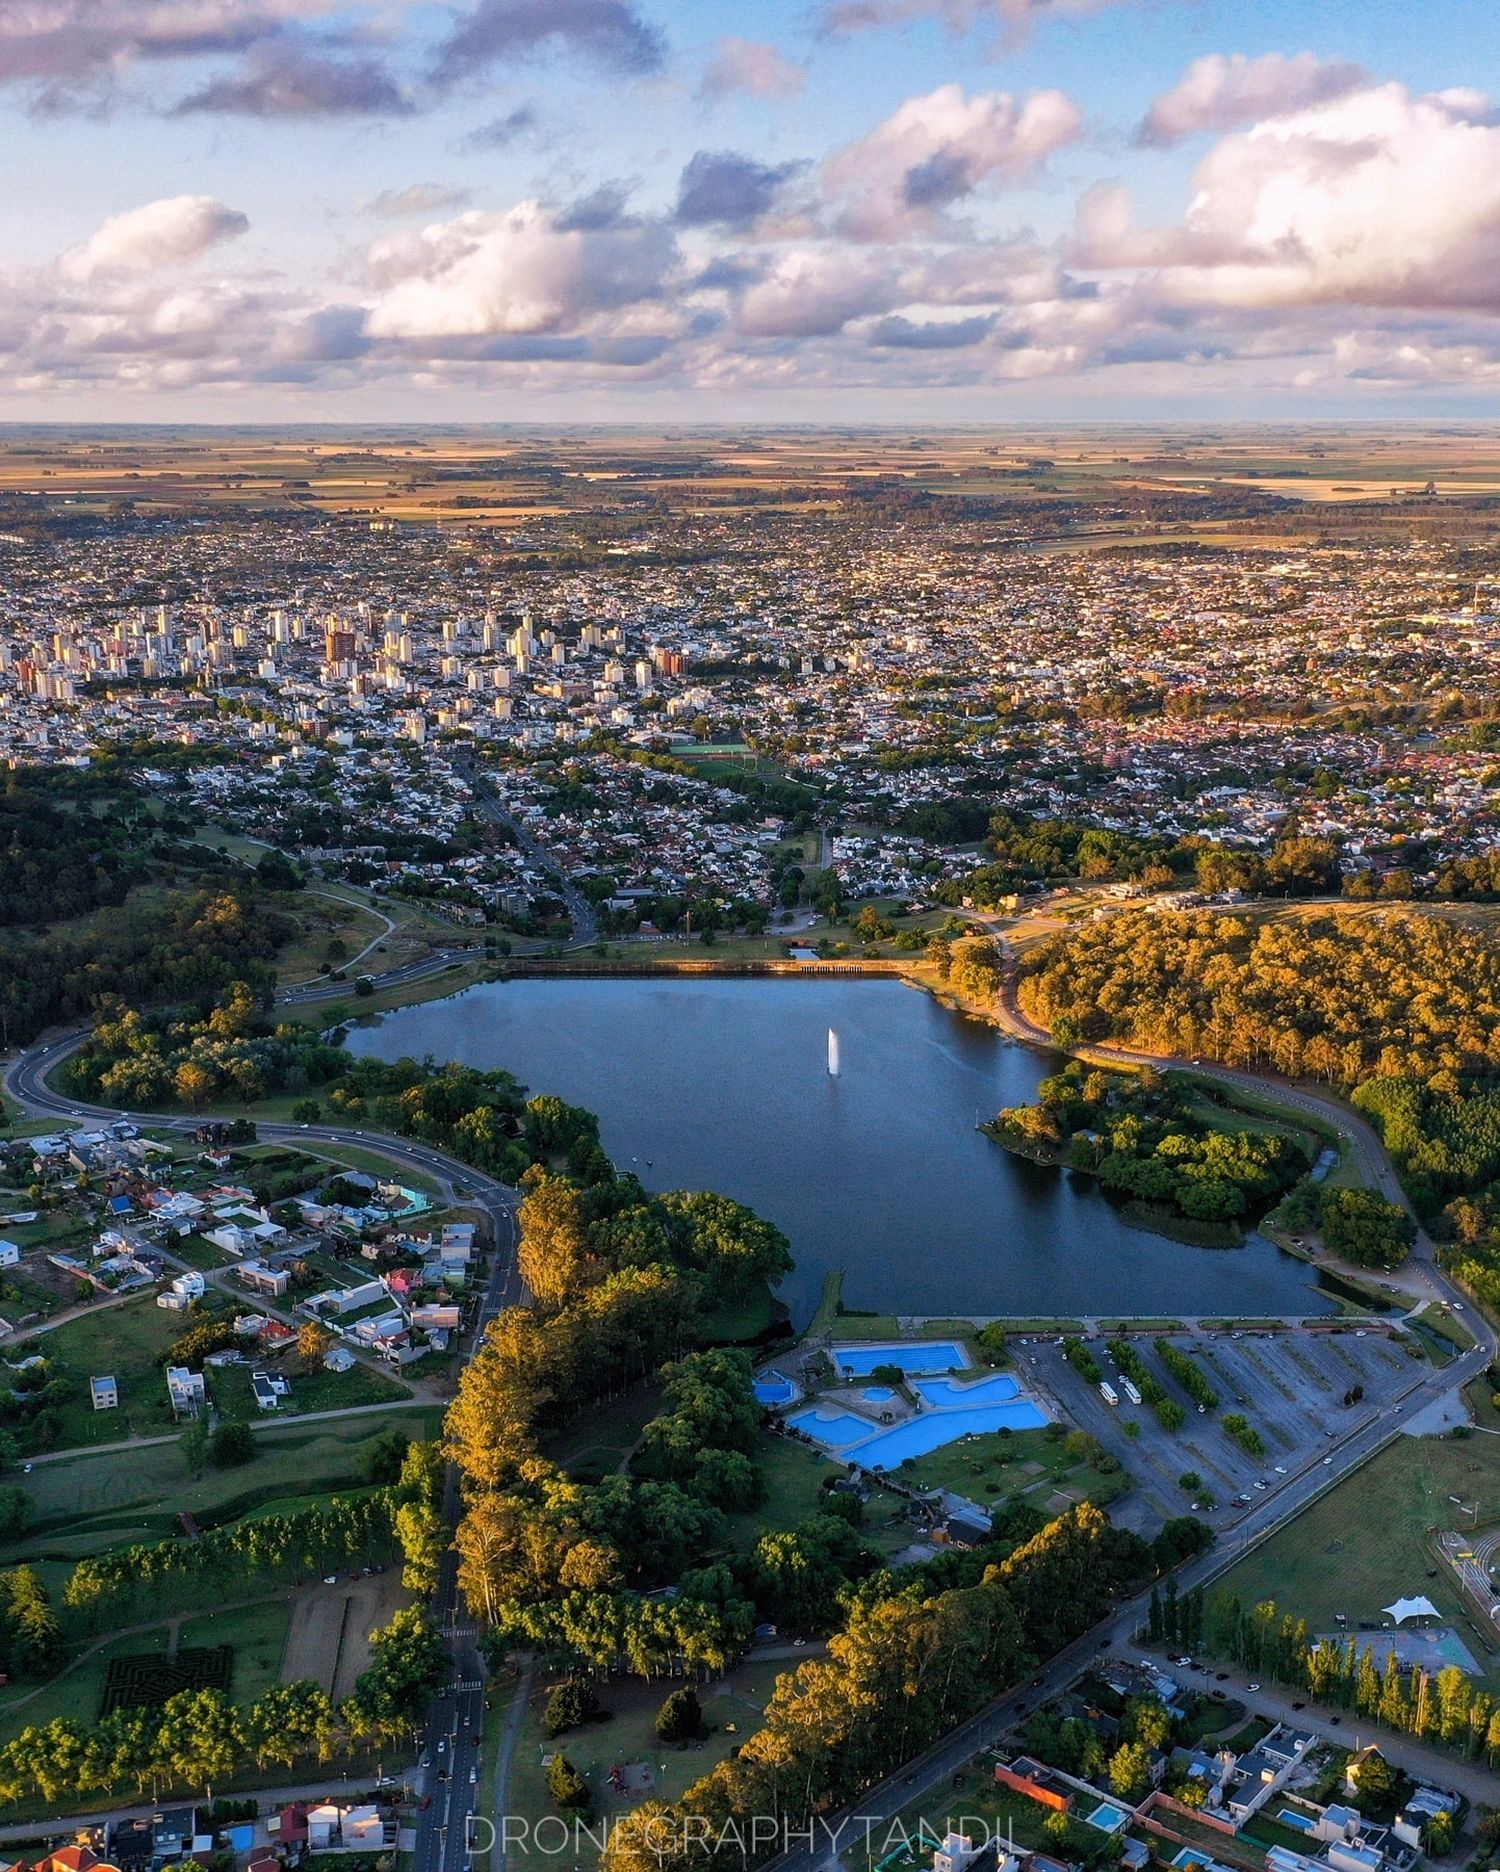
(722, 1083)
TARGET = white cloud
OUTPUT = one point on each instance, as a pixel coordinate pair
(807, 293)
(751, 65)
(1221, 91)
(936, 149)
(1377, 198)
(514, 273)
(162, 233)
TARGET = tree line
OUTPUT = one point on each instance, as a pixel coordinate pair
(1443, 1707)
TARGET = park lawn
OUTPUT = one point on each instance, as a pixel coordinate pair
(742, 1321)
(1365, 1543)
(601, 1440)
(89, 1503)
(1480, 1398)
(121, 1341)
(78, 1691)
(629, 1736)
(994, 1466)
(794, 1477)
(257, 1634)
(320, 920)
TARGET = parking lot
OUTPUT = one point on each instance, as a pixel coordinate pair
(1291, 1385)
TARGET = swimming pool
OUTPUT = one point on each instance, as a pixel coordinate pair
(774, 1389)
(877, 1394)
(1108, 1819)
(1302, 1822)
(835, 1428)
(941, 1392)
(920, 1436)
(931, 1355)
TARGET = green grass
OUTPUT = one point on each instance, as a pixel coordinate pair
(794, 1477)
(972, 1792)
(88, 1503)
(120, 1341)
(740, 1322)
(257, 1634)
(1365, 1542)
(629, 1736)
(993, 1468)
(78, 1692)
(604, 1437)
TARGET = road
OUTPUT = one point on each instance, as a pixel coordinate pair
(581, 912)
(870, 1812)
(447, 1773)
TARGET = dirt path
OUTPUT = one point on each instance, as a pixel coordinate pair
(329, 1636)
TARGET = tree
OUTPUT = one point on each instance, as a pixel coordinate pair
(231, 1445)
(314, 1343)
(570, 1705)
(553, 1241)
(566, 1786)
(306, 1111)
(680, 1718)
(1130, 1770)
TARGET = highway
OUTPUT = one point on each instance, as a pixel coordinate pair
(446, 1777)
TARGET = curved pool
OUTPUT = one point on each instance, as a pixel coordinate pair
(774, 1389)
(836, 1428)
(878, 1394)
(942, 1392)
(922, 1435)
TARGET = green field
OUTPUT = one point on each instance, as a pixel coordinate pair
(121, 1341)
(733, 1705)
(1366, 1541)
(86, 1504)
(257, 1635)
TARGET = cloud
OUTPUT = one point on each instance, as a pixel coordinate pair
(609, 32)
(719, 188)
(501, 132)
(1377, 198)
(807, 293)
(904, 334)
(934, 150)
(162, 233)
(1222, 91)
(513, 273)
(287, 81)
(751, 65)
(1010, 19)
(418, 198)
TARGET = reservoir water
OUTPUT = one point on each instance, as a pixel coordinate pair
(723, 1083)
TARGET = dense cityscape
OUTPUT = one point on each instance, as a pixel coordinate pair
(749, 936)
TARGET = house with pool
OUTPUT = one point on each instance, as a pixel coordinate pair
(876, 1425)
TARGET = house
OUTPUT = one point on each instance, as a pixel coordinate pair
(1263, 1769)
(104, 1393)
(1036, 1781)
(435, 1318)
(341, 1300)
(262, 1279)
(963, 1531)
(960, 1853)
(188, 1391)
(339, 1359)
(1425, 1804)
(10, 1253)
(182, 1292)
(269, 1389)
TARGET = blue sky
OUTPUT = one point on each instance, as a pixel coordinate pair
(864, 209)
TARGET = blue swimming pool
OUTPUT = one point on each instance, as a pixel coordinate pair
(1303, 1823)
(835, 1428)
(877, 1394)
(772, 1388)
(931, 1355)
(888, 1449)
(941, 1392)
(1108, 1819)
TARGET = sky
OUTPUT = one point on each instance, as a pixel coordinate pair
(828, 211)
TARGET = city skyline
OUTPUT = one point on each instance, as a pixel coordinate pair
(859, 211)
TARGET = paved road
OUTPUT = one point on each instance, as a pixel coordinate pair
(846, 1829)
(581, 912)
(1437, 1767)
(447, 1774)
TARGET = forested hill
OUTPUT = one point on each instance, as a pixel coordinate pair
(1399, 1010)
(1340, 999)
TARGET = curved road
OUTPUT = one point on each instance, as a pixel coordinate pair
(452, 1731)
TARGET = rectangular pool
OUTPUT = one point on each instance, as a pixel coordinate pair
(932, 1355)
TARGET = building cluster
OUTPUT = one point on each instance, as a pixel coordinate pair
(333, 688)
(189, 1837)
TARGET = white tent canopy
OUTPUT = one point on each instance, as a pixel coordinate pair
(1404, 1609)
